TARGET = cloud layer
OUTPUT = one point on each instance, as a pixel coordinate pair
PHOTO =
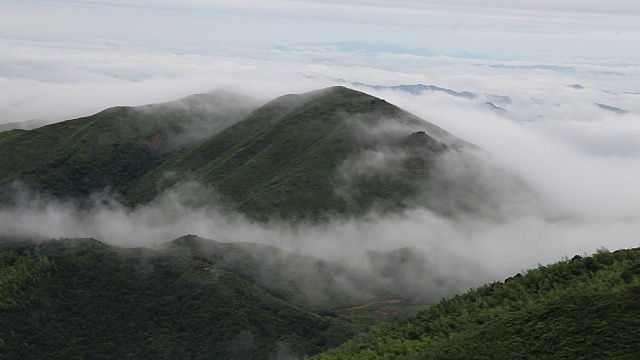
(75, 58)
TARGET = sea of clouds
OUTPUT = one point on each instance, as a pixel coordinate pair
(583, 160)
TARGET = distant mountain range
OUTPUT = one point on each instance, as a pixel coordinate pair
(418, 89)
(25, 125)
(492, 102)
(612, 109)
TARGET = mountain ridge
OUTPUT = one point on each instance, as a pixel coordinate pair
(281, 160)
(187, 298)
(112, 147)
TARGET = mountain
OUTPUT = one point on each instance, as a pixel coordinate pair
(311, 156)
(498, 110)
(287, 158)
(25, 125)
(301, 158)
(189, 298)
(582, 308)
(113, 147)
(419, 89)
(612, 109)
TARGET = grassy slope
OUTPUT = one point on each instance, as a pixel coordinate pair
(112, 148)
(582, 308)
(283, 159)
(84, 299)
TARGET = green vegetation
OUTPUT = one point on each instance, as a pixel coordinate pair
(80, 298)
(113, 148)
(299, 157)
(194, 298)
(284, 159)
(17, 270)
(287, 159)
(583, 308)
(300, 280)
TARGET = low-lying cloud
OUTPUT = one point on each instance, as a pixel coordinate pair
(582, 161)
(460, 252)
(586, 199)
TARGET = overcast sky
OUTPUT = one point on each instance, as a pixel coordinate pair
(61, 59)
(503, 29)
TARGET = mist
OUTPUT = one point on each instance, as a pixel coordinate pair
(581, 161)
(464, 251)
(586, 198)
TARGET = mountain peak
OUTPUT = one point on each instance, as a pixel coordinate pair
(285, 159)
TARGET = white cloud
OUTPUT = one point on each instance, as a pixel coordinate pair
(504, 29)
(60, 60)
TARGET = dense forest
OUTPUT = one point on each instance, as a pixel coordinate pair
(80, 298)
(579, 308)
(185, 299)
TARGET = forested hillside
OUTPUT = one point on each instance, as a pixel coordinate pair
(80, 298)
(192, 298)
(582, 308)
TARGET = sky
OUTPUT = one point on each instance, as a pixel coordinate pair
(495, 28)
(65, 59)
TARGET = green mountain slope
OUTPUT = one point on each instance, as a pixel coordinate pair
(307, 157)
(300, 280)
(191, 298)
(114, 147)
(286, 159)
(583, 308)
